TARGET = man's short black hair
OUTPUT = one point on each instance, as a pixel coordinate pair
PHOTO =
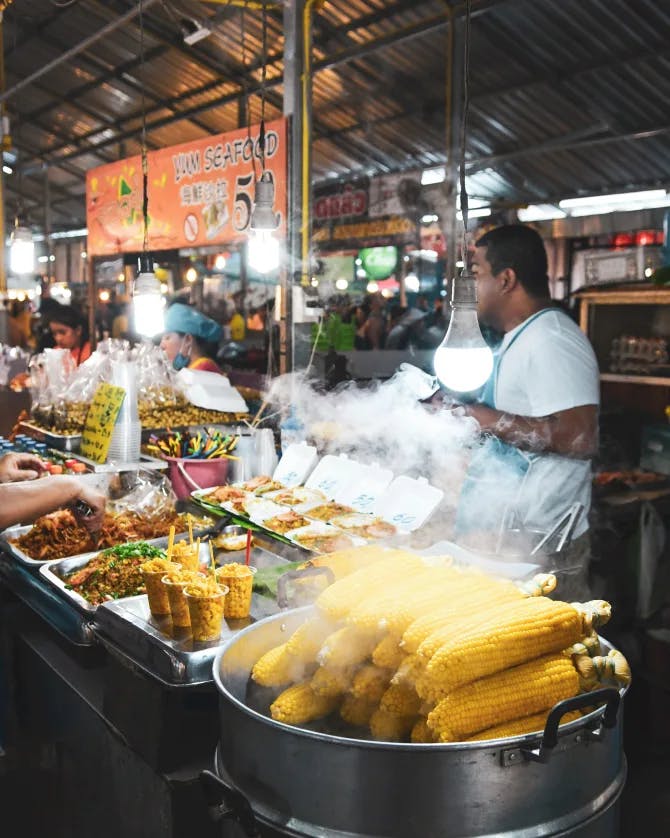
(520, 248)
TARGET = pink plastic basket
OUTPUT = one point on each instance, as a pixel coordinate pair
(188, 475)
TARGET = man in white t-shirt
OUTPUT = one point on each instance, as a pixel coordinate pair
(539, 411)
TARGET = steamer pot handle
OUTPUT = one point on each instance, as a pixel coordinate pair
(608, 696)
(227, 803)
(285, 578)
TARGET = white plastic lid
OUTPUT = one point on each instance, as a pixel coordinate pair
(332, 475)
(367, 484)
(296, 463)
(407, 503)
(211, 391)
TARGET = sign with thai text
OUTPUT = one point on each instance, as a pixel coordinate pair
(100, 420)
(199, 193)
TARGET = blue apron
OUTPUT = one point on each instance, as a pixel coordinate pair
(496, 470)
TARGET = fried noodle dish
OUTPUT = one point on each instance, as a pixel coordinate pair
(59, 534)
(114, 573)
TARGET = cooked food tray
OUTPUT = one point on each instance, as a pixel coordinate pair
(62, 442)
(148, 641)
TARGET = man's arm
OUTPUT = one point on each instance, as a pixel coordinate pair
(21, 502)
(571, 433)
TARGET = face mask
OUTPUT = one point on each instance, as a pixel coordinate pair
(180, 360)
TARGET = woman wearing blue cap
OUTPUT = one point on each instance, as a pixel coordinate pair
(190, 339)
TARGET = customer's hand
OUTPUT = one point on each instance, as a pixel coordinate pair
(15, 467)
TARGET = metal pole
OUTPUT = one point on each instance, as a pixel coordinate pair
(297, 95)
(450, 224)
(3, 247)
(80, 47)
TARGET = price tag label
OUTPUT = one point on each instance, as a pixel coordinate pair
(100, 421)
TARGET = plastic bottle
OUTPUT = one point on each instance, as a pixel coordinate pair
(291, 430)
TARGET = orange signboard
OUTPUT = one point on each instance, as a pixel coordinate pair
(200, 193)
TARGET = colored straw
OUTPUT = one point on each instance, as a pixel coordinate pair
(248, 553)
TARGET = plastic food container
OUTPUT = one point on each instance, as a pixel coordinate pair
(152, 574)
(206, 612)
(239, 579)
(186, 555)
(174, 585)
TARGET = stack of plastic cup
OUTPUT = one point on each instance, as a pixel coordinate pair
(126, 441)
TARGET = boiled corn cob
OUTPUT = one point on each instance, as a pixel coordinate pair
(389, 727)
(308, 638)
(520, 691)
(409, 671)
(357, 711)
(421, 733)
(370, 683)
(331, 682)
(299, 704)
(344, 562)
(530, 628)
(517, 727)
(345, 647)
(387, 653)
(400, 699)
(277, 668)
(339, 599)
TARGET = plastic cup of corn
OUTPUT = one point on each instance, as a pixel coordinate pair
(206, 600)
(187, 555)
(152, 574)
(239, 578)
(174, 583)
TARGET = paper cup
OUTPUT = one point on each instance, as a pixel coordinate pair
(239, 579)
(206, 613)
(156, 590)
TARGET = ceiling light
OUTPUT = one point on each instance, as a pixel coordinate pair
(481, 212)
(430, 176)
(191, 275)
(539, 212)
(7, 170)
(148, 302)
(429, 218)
(615, 198)
(372, 288)
(341, 284)
(220, 262)
(263, 247)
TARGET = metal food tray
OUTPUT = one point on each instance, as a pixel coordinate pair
(24, 558)
(61, 442)
(179, 660)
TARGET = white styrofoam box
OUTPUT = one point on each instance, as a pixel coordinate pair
(332, 475)
(367, 485)
(260, 509)
(296, 463)
(321, 528)
(210, 390)
(496, 567)
(407, 502)
(299, 495)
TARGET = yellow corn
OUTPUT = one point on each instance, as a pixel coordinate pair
(370, 683)
(530, 628)
(421, 733)
(342, 596)
(400, 699)
(330, 682)
(409, 670)
(345, 647)
(517, 727)
(307, 639)
(344, 562)
(299, 704)
(388, 727)
(357, 711)
(387, 653)
(520, 691)
(276, 668)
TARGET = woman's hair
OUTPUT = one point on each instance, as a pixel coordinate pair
(68, 316)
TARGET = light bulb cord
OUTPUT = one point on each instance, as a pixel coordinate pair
(464, 123)
(143, 144)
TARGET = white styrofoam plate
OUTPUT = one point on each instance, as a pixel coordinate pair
(296, 463)
(408, 503)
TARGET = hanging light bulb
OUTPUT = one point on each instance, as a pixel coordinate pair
(148, 301)
(263, 249)
(21, 250)
(463, 361)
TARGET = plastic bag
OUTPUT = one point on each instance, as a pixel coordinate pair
(148, 493)
(652, 544)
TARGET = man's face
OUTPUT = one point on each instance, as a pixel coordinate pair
(488, 288)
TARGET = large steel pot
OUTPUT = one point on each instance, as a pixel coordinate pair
(294, 781)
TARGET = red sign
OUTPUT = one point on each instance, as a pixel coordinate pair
(350, 202)
(200, 193)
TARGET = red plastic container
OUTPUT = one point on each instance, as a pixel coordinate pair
(188, 475)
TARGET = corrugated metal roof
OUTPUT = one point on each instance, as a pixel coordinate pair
(566, 97)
